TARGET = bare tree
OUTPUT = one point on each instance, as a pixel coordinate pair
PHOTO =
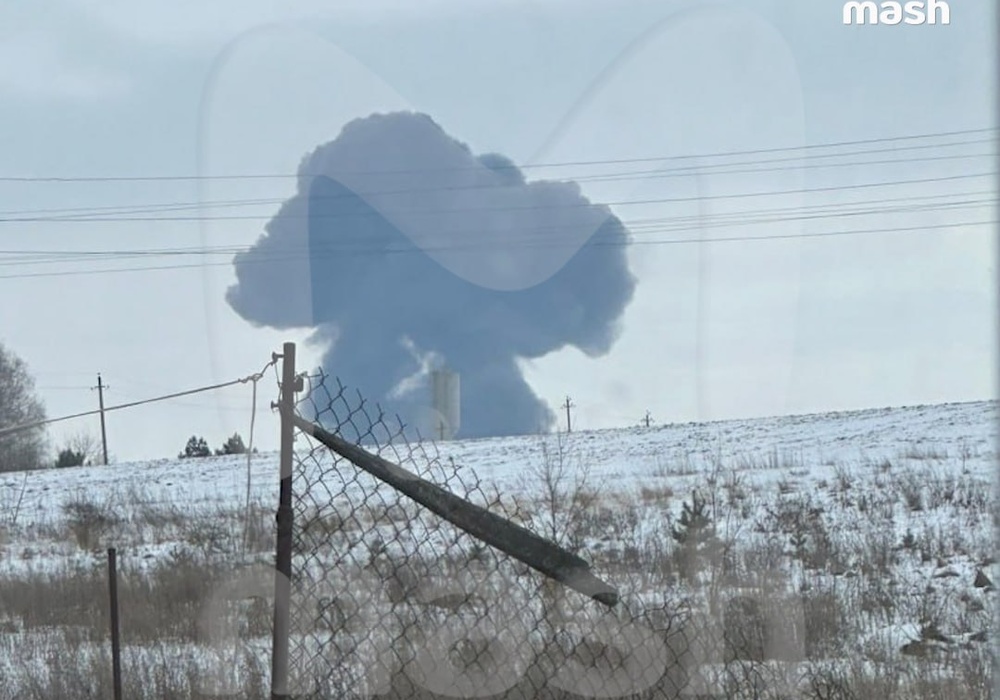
(565, 496)
(81, 448)
(19, 405)
(87, 444)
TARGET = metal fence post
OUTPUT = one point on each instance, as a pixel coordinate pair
(116, 649)
(283, 555)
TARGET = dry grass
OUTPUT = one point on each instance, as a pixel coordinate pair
(845, 557)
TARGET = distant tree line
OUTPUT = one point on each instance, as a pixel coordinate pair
(198, 447)
(29, 448)
(84, 450)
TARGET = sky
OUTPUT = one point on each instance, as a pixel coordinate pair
(864, 157)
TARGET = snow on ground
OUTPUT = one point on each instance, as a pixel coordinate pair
(618, 459)
(887, 510)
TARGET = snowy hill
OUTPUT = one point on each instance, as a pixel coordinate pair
(880, 520)
(633, 454)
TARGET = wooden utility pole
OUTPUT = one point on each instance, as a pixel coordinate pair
(569, 422)
(101, 386)
(648, 419)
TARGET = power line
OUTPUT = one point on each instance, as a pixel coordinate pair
(890, 205)
(647, 159)
(314, 199)
(228, 406)
(454, 210)
(554, 209)
(62, 388)
(709, 170)
(834, 144)
(597, 244)
(37, 424)
(635, 226)
(180, 206)
(822, 207)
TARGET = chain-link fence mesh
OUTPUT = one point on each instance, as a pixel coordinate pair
(391, 600)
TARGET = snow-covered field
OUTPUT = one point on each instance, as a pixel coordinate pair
(878, 524)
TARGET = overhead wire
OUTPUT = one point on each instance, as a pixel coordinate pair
(452, 210)
(74, 212)
(637, 228)
(635, 225)
(133, 216)
(314, 255)
(645, 159)
(206, 406)
(49, 421)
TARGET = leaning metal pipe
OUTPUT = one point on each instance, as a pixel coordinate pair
(507, 536)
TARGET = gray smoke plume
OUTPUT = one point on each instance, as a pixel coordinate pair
(402, 250)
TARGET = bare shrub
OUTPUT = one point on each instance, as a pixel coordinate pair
(910, 487)
(746, 630)
(765, 554)
(157, 517)
(566, 497)
(656, 495)
(88, 522)
(155, 672)
(683, 465)
(845, 478)
(920, 452)
(319, 526)
(260, 529)
(876, 598)
(828, 682)
(210, 536)
(876, 552)
(826, 624)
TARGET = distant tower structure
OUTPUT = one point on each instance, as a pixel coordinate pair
(445, 404)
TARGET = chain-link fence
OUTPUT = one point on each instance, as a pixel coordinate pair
(390, 599)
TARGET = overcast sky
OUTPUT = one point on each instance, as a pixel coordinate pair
(896, 307)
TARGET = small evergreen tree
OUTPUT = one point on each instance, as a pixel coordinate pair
(695, 523)
(70, 458)
(196, 447)
(695, 533)
(233, 446)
